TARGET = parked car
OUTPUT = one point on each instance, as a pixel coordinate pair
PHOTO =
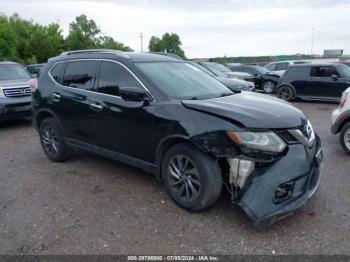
(15, 93)
(314, 82)
(264, 79)
(167, 117)
(280, 67)
(341, 121)
(215, 67)
(234, 84)
(34, 69)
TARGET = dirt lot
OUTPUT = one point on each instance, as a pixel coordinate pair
(91, 205)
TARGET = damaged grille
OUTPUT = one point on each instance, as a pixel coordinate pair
(287, 137)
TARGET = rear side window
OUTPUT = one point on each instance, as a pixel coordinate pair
(324, 71)
(56, 72)
(298, 72)
(80, 74)
(281, 66)
(112, 76)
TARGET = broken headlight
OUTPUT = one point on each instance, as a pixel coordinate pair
(260, 141)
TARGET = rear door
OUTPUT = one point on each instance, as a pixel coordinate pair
(72, 98)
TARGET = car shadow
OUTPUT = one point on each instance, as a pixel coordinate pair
(15, 123)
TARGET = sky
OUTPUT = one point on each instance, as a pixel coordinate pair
(207, 28)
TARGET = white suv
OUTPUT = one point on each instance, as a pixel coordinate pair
(341, 120)
(280, 67)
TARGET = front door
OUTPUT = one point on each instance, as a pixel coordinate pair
(324, 84)
(126, 127)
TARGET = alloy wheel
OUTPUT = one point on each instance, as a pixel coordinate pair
(347, 138)
(184, 178)
(49, 139)
(269, 87)
(285, 93)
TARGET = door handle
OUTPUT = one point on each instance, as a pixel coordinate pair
(56, 96)
(96, 107)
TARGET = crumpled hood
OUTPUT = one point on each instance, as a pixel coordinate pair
(14, 83)
(252, 110)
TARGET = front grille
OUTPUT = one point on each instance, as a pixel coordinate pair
(17, 92)
(287, 137)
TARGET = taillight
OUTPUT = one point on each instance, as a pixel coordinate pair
(33, 84)
(343, 100)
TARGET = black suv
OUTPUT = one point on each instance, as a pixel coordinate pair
(264, 79)
(167, 117)
(314, 82)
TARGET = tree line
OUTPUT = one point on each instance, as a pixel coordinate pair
(27, 42)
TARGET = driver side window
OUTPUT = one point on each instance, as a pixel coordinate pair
(112, 76)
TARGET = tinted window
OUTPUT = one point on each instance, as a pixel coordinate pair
(324, 71)
(344, 70)
(56, 72)
(298, 71)
(13, 72)
(80, 74)
(281, 66)
(112, 76)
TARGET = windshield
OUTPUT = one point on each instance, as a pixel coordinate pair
(182, 80)
(344, 70)
(219, 67)
(204, 69)
(262, 70)
(13, 72)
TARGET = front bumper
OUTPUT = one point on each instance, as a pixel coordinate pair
(11, 108)
(300, 168)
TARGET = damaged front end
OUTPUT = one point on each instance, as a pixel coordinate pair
(271, 184)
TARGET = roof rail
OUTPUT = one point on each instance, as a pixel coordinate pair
(105, 51)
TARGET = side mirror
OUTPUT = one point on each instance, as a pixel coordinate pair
(334, 77)
(131, 93)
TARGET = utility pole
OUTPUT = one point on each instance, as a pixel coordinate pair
(312, 40)
(141, 37)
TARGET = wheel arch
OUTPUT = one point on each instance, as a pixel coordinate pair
(164, 145)
(43, 114)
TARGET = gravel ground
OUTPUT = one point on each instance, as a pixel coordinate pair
(91, 205)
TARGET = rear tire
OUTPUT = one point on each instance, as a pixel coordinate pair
(192, 178)
(285, 93)
(345, 138)
(51, 139)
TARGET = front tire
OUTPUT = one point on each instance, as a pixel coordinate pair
(269, 87)
(192, 178)
(51, 139)
(345, 138)
(285, 93)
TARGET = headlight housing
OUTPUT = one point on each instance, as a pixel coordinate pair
(268, 141)
(1, 93)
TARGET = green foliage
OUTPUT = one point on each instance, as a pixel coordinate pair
(8, 40)
(169, 43)
(83, 34)
(28, 43)
(108, 42)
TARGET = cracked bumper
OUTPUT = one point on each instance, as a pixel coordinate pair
(300, 168)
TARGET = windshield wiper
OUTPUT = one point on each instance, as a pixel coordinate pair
(225, 94)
